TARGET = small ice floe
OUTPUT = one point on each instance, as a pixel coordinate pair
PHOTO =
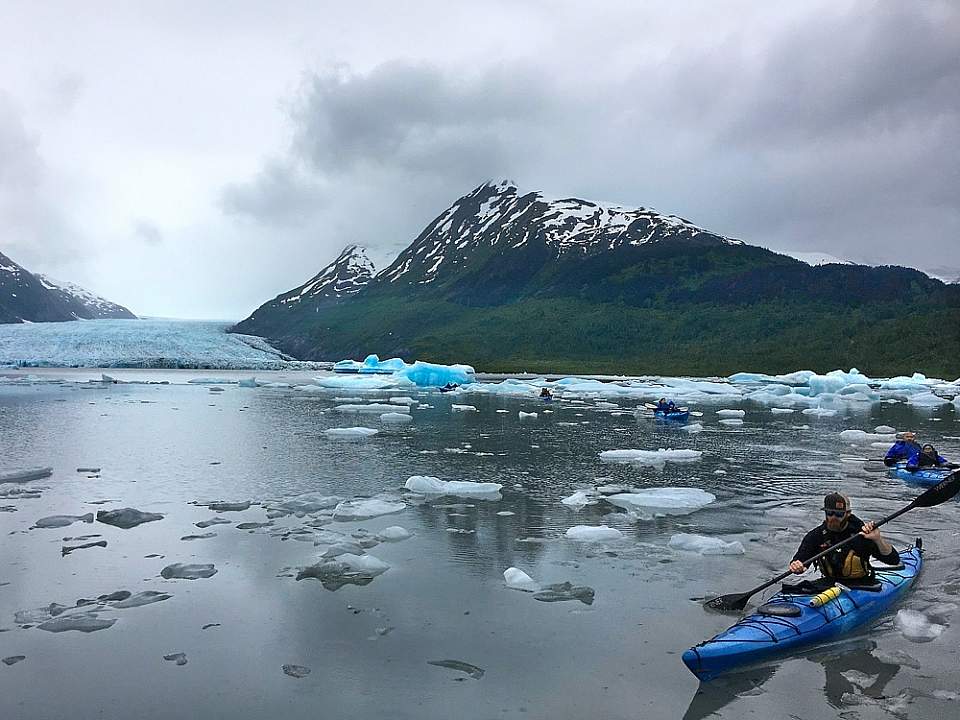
(719, 472)
(126, 518)
(395, 418)
(404, 400)
(692, 428)
(463, 408)
(59, 521)
(782, 411)
(426, 485)
(394, 533)
(67, 549)
(296, 671)
(917, 627)
(662, 501)
(819, 412)
(306, 503)
(202, 536)
(860, 436)
(505, 412)
(344, 547)
(649, 457)
(517, 579)
(252, 525)
(593, 533)
(581, 498)
(345, 570)
(350, 433)
(88, 470)
(705, 545)
(13, 659)
(25, 475)
(461, 531)
(505, 513)
(378, 408)
(561, 592)
(180, 658)
(227, 506)
(927, 399)
(885, 430)
(527, 415)
(731, 413)
(86, 622)
(248, 383)
(146, 597)
(213, 521)
(363, 509)
(472, 670)
(188, 571)
(730, 421)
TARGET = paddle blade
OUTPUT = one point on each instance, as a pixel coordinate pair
(735, 602)
(941, 492)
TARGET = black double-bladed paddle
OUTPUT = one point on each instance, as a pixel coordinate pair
(939, 493)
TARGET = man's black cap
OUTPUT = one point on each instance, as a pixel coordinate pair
(836, 501)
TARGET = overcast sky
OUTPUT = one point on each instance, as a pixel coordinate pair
(194, 159)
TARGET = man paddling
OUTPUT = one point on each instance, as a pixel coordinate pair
(928, 457)
(850, 564)
(905, 446)
(666, 407)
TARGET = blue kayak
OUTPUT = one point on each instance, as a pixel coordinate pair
(676, 415)
(787, 623)
(925, 476)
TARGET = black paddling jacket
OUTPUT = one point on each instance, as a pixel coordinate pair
(852, 561)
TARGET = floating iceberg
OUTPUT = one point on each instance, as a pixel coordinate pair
(692, 428)
(705, 545)
(663, 501)
(378, 408)
(527, 415)
(649, 457)
(917, 627)
(394, 418)
(188, 571)
(58, 521)
(126, 518)
(517, 579)
(364, 509)
(463, 408)
(426, 374)
(426, 485)
(730, 421)
(731, 413)
(581, 498)
(860, 436)
(394, 533)
(350, 433)
(352, 383)
(591, 533)
(25, 475)
(345, 570)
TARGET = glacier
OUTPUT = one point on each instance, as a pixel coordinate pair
(152, 343)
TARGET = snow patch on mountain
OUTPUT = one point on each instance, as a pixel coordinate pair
(346, 275)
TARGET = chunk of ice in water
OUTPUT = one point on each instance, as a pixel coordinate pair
(403, 400)
(782, 411)
(426, 485)
(57, 521)
(394, 533)
(527, 415)
(146, 597)
(297, 671)
(561, 592)
(885, 430)
(463, 408)
(649, 457)
(730, 421)
(917, 627)
(126, 518)
(350, 433)
(731, 413)
(180, 658)
(188, 571)
(591, 533)
(213, 521)
(692, 428)
(705, 545)
(394, 418)
(663, 501)
(345, 570)
(81, 622)
(224, 506)
(517, 579)
(13, 659)
(378, 408)
(472, 670)
(363, 509)
(859, 436)
(25, 475)
(819, 412)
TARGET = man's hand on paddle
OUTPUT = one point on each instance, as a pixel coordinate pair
(870, 532)
(797, 567)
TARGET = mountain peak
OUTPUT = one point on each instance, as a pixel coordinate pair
(347, 274)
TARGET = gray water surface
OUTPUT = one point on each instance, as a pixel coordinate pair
(403, 645)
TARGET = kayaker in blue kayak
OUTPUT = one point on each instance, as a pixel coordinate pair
(666, 407)
(545, 394)
(928, 457)
(849, 564)
(902, 449)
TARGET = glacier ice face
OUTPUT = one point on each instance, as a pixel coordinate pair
(705, 545)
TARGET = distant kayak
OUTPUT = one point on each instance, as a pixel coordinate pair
(924, 476)
(676, 415)
(788, 623)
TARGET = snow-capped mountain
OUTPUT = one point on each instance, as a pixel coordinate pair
(26, 297)
(496, 216)
(346, 275)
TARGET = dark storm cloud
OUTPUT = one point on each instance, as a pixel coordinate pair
(281, 193)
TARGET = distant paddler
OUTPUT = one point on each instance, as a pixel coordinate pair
(905, 446)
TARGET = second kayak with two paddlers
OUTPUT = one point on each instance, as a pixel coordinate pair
(921, 476)
(788, 622)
